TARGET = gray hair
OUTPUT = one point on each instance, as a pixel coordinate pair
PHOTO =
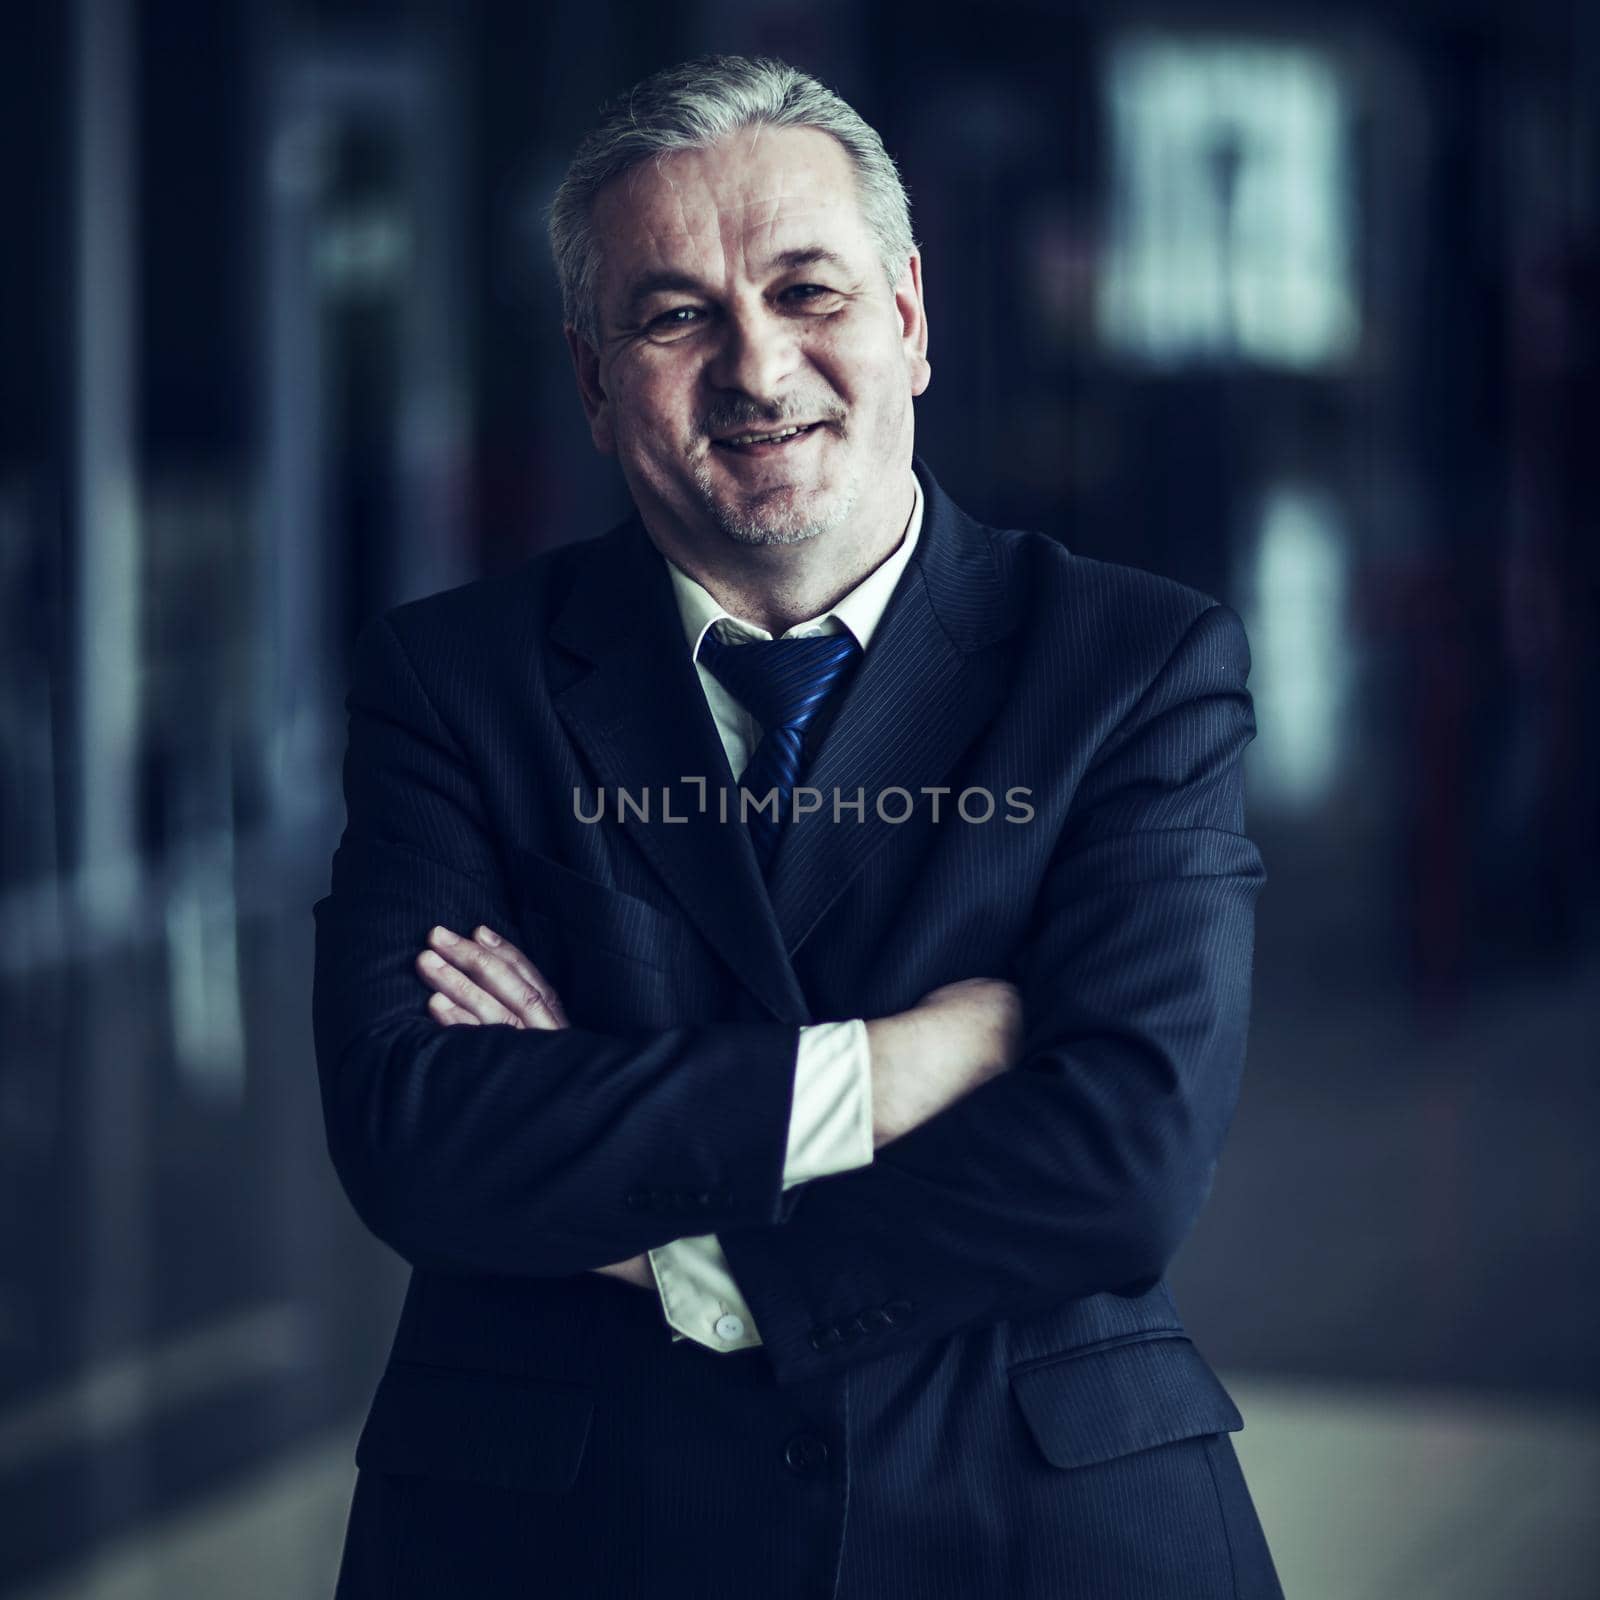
(693, 106)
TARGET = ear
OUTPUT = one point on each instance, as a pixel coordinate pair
(913, 322)
(596, 405)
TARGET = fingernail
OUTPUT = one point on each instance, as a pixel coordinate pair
(443, 934)
(488, 936)
(430, 960)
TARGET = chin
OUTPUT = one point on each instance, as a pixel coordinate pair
(779, 518)
(785, 514)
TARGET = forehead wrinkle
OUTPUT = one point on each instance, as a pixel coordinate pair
(665, 234)
(690, 221)
(789, 209)
(684, 226)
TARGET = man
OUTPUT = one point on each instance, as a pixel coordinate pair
(789, 1165)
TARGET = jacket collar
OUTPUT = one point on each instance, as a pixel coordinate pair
(924, 690)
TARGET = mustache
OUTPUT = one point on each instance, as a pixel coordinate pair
(737, 415)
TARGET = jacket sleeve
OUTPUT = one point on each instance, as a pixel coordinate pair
(498, 1149)
(1082, 1168)
(830, 1130)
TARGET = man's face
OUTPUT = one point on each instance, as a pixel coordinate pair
(742, 294)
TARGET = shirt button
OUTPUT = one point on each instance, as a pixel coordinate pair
(729, 1327)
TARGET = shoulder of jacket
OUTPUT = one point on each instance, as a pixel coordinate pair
(1108, 592)
(496, 603)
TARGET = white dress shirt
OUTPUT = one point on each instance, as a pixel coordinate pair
(830, 1118)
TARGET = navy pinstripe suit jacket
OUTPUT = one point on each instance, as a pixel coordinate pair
(973, 1379)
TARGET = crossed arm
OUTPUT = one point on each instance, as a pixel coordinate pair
(956, 1037)
(487, 981)
(1080, 1170)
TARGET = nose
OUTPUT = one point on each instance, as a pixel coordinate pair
(756, 352)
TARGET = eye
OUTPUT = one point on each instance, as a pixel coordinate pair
(808, 291)
(677, 317)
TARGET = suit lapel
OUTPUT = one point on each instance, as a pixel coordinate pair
(925, 688)
(641, 718)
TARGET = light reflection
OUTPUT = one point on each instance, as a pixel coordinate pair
(1301, 662)
(1231, 225)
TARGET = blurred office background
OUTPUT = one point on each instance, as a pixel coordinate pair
(1295, 303)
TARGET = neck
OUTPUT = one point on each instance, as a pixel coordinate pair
(775, 586)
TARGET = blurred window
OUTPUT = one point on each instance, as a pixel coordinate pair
(1299, 650)
(1231, 211)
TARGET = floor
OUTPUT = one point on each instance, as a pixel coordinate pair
(1397, 1273)
(1366, 1494)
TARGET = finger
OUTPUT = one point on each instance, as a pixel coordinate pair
(468, 996)
(497, 977)
(462, 990)
(445, 1010)
(499, 945)
(520, 963)
(496, 989)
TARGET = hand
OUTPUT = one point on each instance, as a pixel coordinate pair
(487, 979)
(927, 1057)
(636, 1270)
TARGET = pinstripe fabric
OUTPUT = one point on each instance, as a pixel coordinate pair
(973, 1380)
(830, 1130)
(830, 1122)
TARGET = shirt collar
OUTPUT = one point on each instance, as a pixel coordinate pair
(859, 612)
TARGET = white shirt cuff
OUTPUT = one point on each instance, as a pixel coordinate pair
(830, 1121)
(698, 1295)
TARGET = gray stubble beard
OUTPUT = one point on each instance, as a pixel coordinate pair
(751, 530)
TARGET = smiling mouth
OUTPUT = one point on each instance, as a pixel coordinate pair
(764, 443)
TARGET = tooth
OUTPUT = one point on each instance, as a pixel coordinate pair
(764, 438)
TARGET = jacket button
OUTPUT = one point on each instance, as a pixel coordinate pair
(805, 1453)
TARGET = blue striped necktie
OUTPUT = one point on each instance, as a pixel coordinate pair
(782, 683)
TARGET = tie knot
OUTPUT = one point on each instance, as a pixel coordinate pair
(781, 682)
